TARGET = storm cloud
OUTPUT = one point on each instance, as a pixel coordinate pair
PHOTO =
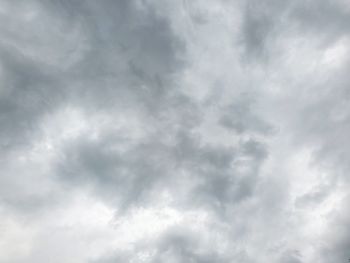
(174, 131)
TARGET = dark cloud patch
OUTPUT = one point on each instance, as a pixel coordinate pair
(257, 27)
(216, 177)
(125, 56)
(28, 93)
(335, 247)
(131, 59)
(124, 177)
(325, 19)
(223, 185)
(182, 246)
(267, 23)
(240, 118)
(291, 257)
(262, 22)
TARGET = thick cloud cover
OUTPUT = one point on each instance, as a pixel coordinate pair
(174, 131)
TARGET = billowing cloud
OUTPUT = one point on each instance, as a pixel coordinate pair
(184, 131)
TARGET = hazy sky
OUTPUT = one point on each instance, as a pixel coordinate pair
(175, 131)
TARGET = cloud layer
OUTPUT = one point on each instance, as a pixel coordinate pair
(174, 131)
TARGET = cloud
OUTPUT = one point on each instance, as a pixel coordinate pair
(175, 245)
(144, 131)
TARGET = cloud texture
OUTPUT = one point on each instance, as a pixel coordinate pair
(174, 131)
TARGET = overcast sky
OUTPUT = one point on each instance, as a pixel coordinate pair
(187, 131)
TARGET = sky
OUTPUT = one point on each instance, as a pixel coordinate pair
(189, 131)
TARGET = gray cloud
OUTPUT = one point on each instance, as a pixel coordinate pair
(240, 118)
(116, 144)
(28, 93)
